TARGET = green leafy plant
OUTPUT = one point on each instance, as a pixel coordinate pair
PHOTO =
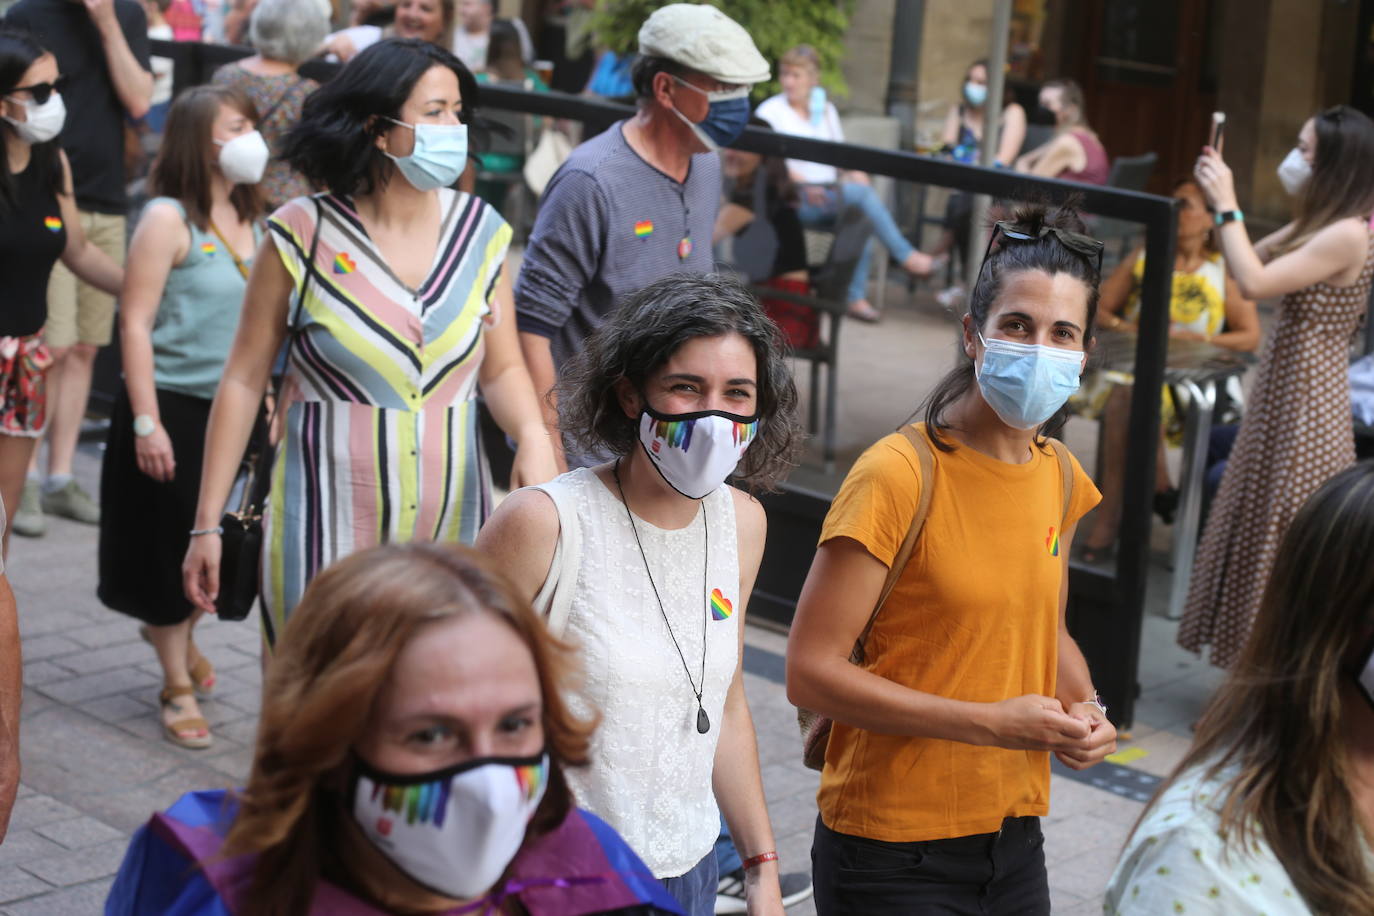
(775, 26)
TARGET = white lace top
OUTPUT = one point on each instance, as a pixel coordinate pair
(650, 775)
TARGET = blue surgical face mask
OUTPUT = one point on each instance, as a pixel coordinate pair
(726, 118)
(439, 156)
(1026, 383)
(975, 93)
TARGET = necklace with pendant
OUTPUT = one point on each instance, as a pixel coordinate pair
(703, 720)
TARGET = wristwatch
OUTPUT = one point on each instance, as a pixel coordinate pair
(1229, 216)
(144, 425)
(1096, 700)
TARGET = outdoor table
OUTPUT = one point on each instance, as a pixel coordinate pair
(1199, 370)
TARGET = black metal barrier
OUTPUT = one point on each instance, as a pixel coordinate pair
(1105, 611)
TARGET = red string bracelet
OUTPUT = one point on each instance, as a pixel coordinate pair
(754, 861)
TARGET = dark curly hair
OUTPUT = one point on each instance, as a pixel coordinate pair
(642, 335)
(333, 144)
(1047, 254)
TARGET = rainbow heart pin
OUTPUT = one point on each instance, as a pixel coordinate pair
(343, 264)
(208, 248)
(643, 228)
(721, 608)
(52, 223)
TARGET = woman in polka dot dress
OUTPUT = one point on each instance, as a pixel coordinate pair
(1297, 432)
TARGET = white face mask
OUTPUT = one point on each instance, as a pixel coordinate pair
(244, 158)
(1294, 172)
(454, 830)
(695, 452)
(43, 122)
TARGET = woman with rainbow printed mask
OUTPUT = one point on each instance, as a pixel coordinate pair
(937, 768)
(411, 758)
(646, 563)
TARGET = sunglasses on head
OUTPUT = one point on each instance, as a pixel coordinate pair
(41, 92)
(1084, 245)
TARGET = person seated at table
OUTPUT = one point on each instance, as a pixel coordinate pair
(770, 251)
(1272, 808)
(410, 758)
(1206, 305)
(961, 141)
(800, 111)
(1074, 153)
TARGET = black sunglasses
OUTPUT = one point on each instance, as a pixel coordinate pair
(1084, 245)
(41, 92)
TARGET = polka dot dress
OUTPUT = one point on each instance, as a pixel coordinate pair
(1297, 433)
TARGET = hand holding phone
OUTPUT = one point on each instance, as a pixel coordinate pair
(1218, 128)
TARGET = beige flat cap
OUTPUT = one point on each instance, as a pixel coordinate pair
(704, 39)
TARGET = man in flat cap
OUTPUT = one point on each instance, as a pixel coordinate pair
(637, 202)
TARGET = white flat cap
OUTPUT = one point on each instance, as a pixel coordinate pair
(704, 39)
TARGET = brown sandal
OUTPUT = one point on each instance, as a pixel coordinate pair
(191, 732)
(198, 666)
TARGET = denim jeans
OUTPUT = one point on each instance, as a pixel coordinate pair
(727, 856)
(884, 228)
(696, 890)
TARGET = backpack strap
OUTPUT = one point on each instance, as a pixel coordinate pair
(1061, 452)
(555, 596)
(925, 459)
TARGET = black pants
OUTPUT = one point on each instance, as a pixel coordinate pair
(988, 874)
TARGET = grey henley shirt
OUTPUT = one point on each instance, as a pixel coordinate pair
(609, 224)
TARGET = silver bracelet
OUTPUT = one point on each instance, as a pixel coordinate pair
(197, 532)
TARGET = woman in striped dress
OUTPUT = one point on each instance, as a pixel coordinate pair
(389, 291)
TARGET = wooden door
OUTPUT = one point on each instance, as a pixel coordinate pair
(1149, 75)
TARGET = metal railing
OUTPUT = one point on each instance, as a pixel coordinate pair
(1106, 607)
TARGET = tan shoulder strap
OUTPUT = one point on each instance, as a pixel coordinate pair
(1061, 452)
(925, 459)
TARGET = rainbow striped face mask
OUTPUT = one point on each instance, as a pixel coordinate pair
(454, 830)
(695, 452)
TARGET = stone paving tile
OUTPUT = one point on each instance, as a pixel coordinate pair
(79, 832)
(17, 884)
(41, 647)
(83, 899)
(74, 690)
(37, 810)
(25, 845)
(78, 866)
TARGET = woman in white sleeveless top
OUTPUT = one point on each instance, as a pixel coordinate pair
(647, 562)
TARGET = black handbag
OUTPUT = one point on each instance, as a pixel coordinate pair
(240, 559)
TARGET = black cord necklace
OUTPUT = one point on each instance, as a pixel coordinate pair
(703, 720)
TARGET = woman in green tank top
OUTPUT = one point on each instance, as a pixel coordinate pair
(187, 269)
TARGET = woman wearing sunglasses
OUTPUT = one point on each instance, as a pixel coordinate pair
(937, 768)
(38, 225)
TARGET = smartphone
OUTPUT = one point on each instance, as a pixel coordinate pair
(1218, 128)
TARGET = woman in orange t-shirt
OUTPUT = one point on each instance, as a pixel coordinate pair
(937, 768)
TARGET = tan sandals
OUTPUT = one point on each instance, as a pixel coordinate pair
(190, 731)
(201, 671)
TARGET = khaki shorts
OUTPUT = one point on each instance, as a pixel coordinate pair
(77, 311)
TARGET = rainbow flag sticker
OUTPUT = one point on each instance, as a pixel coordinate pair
(721, 608)
(52, 223)
(644, 228)
(208, 248)
(343, 264)
(1052, 542)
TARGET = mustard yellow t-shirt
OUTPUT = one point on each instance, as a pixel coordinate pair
(974, 616)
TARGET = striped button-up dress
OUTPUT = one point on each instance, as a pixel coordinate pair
(380, 438)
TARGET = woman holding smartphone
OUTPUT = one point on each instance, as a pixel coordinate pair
(1297, 430)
